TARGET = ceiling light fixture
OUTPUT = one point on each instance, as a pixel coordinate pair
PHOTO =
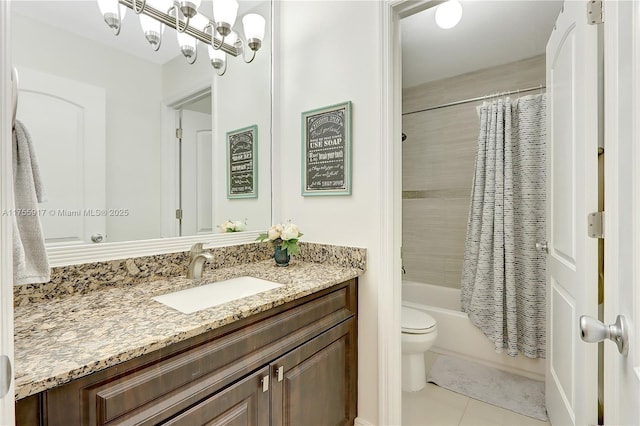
(112, 14)
(153, 28)
(192, 26)
(448, 14)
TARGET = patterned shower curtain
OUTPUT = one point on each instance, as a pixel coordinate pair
(503, 277)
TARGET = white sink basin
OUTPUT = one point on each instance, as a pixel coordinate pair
(208, 295)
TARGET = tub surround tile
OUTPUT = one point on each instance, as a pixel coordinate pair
(100, 323)
(438, 160)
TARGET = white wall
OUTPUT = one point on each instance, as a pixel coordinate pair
(242, 98)
(326, 53)
(174, 83)
(133, 122)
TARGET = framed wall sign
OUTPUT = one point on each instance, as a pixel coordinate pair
(242, 163)
(326, 150)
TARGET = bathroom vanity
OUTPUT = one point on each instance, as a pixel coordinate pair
(286, 356)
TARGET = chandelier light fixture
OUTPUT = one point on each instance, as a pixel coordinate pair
(192, 26)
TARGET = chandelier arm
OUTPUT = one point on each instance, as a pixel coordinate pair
(186, 24)
(195, 56)
(178, 21)
(138, 12)
(223, 71)
(157, 46)
(209, 26)
(116, 30)
(169, 19)
(213, 44)
(253, 56)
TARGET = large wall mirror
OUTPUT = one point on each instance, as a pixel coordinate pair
(103, 113)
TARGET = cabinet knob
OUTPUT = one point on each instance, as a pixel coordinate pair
(265, 383)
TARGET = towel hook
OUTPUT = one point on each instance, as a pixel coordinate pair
(14, 95)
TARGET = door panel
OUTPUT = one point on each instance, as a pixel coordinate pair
(322, 374)
(66, 120)
(204, 182)
(241, 404)
(572, 190)
(197, 173)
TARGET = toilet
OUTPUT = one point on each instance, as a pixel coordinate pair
(419, 331)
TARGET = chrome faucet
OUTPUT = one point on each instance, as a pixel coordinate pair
(198, 257)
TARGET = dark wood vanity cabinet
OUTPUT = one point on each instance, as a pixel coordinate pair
(295, 364)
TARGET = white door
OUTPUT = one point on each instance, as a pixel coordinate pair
(572, 193)
(66, 120)
(622, 208)
(6, 227)
(197, 173)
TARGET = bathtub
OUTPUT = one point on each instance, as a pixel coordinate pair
(457, 336)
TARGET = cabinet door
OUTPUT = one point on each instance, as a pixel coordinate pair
(315, 384)
(241, 404)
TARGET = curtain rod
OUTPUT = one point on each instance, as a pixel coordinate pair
(480, 98)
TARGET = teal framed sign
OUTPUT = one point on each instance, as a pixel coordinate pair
(326, 150)
(242, 163)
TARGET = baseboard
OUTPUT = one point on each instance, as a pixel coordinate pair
(362, 422)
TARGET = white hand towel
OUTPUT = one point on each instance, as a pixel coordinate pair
(30, 262)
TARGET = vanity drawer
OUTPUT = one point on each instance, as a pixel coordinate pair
(174, 381)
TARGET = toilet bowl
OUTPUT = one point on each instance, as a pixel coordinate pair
(419, 332)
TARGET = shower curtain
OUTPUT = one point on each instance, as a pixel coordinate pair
(503, 277)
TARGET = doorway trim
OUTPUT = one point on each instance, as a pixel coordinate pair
(169, 152)
(6, 202)
(389, 335)
(622, 205)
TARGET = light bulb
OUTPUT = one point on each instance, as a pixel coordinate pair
(108, 6)
(216, 54)
(109, 10)
(199, 21)
(188, 46)
(151, 27)
(253, 25)
(185, 40)
(448, 14)
(224, 14)
(218, 58)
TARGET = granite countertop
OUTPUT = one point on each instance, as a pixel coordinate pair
(63, 339)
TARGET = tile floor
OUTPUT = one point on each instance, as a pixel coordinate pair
(436, 406)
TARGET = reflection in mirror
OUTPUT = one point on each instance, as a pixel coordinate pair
(103, 112)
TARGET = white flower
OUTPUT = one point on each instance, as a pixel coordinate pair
(290, 232)
(274, 232)
(239, 225)
(226, 226)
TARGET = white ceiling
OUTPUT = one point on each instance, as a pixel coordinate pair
(490, 33)
(83, 17)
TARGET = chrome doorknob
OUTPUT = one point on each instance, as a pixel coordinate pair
(542, 247)
(593, 331)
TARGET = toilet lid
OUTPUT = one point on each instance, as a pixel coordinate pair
(414, 320)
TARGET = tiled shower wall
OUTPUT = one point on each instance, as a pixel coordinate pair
(438, 162)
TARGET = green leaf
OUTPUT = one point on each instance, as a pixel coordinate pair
(291, 246)
(262, 237)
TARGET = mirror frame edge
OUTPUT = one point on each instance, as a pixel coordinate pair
(83, 253)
